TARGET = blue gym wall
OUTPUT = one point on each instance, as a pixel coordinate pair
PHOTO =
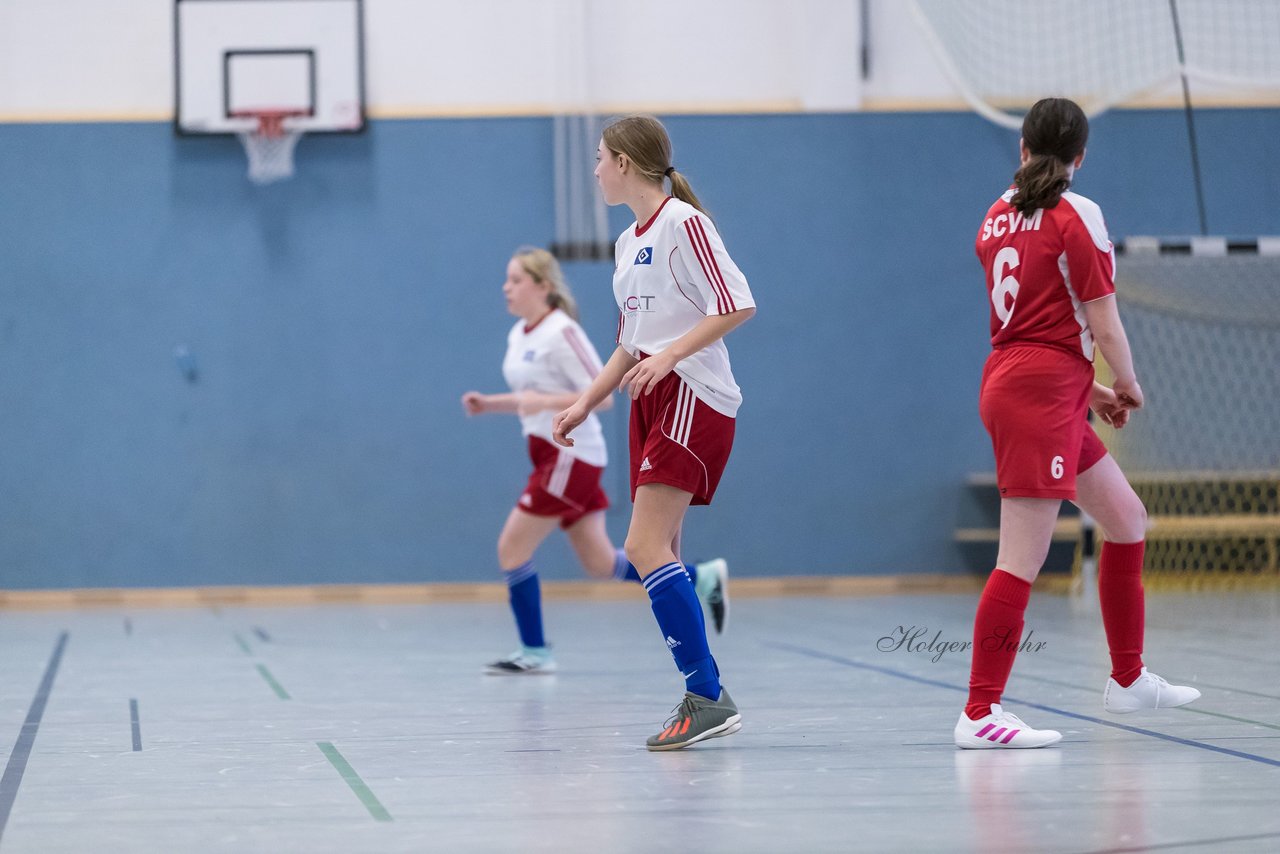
(335, 319)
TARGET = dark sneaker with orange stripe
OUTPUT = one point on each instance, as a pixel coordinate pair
(697, 719)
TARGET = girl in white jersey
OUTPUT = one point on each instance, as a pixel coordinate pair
(679, 293)
(549, 361)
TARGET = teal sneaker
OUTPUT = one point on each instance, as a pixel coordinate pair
(528, 660)
(713, 591)
(697, 719)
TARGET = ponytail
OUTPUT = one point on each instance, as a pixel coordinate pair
(1041, 183)
(681, 190)
(1055, 132)
(564, 301)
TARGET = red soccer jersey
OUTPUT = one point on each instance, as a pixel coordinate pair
(1042, 268)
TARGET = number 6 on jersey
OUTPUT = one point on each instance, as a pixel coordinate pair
(1004, 287)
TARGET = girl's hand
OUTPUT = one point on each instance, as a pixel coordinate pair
(565, 423)
(645, 376)
(1106, 405)
(1129, 393)
(473, 403)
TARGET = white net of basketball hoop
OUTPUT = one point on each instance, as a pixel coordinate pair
(269, 147)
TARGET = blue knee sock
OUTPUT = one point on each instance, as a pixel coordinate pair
(526, 603)
(679, 615)
(622, 568)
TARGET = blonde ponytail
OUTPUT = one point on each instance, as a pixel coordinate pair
(681, 190)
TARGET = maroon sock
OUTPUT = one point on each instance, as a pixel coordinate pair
(997, 630)
(1123, 612)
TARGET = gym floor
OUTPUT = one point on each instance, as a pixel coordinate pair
(371, 728)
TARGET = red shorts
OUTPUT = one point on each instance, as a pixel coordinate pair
(561, 485)
(1035, 405)
(678, 440)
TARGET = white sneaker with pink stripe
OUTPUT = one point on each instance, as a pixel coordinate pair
(1001, 729)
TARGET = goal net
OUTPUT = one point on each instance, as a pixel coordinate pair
(1204, 451)
(1004, 55)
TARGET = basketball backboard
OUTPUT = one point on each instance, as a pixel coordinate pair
(237, 59)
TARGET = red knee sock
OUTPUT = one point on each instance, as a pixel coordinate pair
(1123, 613)
(997, 630)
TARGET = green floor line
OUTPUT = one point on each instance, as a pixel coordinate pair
(271, 680)
(363, 792)
(244, 646)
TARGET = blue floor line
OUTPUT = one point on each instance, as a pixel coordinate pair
(899, 674)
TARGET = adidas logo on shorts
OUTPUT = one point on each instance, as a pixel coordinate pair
(644, 465)
(672, 643)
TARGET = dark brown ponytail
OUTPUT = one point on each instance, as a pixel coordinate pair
(1055, 132)
(1041, 183)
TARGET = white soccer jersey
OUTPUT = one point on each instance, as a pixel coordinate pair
(669, 274)
(555, 357)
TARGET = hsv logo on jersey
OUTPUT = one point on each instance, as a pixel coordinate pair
(530, 355)
(644, 256)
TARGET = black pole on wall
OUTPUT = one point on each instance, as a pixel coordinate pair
(864, 37)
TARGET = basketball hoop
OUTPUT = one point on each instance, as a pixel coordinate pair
(270, 145)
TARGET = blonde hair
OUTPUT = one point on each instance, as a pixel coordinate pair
(646, 144)
(545, 269)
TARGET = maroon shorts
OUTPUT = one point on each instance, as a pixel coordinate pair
(678, 440)
(561, 485)
(1035, 405)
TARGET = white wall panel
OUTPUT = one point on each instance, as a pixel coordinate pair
(86, 58)
(98, 59)
(94, 59)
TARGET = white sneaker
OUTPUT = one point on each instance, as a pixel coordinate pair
(713, 591)
(1148, 691)
(531, 660)
(1001, 729)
